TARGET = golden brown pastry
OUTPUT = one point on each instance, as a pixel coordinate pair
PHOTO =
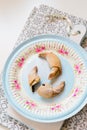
(33, 78)
(47, 91)
(54, 63)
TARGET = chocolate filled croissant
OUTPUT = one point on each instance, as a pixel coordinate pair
(54, 63)
(47, 91)
(33, 78)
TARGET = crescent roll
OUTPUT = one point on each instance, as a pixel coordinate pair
(47, 91)
(54, 63)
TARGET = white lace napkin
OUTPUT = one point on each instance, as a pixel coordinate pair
(33, 124)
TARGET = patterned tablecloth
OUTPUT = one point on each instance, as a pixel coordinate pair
(45, 20)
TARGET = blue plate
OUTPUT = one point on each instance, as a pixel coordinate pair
(74, 73)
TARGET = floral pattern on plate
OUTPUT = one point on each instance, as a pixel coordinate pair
(61, 50)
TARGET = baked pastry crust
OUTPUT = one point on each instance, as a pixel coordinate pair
(54, 63)
(47, 91)
(33, 78)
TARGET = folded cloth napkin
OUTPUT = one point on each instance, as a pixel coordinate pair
(33, 124)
